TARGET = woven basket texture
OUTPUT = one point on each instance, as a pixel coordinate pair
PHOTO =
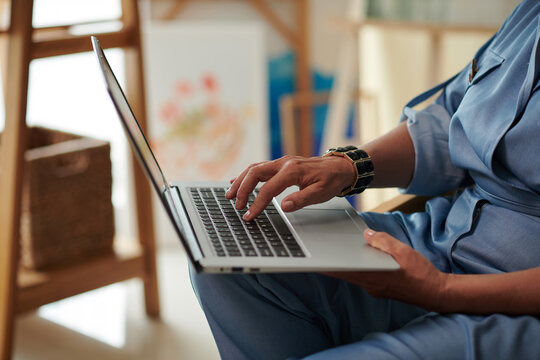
(67, 213)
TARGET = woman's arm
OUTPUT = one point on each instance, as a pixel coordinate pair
(419, 283)
(392, 155)
(320, 179)
(510, 293)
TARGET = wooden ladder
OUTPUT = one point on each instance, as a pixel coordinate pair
(22, 290)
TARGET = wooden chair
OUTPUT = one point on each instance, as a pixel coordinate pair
(404, 203)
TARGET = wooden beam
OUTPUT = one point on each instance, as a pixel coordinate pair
(303, 76)
(455, 28)
(94, 24)
(135, 86)
(175, 10)
(341, 22)
(48, 43)
(11, 158)
(266, 12)
(40, 288)
(4, 8)
(435, 57)
(3, 62)
(289, 145)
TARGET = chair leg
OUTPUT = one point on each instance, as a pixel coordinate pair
(135, 93)
(11, 158)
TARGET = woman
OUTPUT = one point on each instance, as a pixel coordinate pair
(468, 283)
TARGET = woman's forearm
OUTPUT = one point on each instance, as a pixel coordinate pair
(509, 293)
(393, 158)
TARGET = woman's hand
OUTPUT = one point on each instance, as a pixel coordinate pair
(417, 281)
(319, 180)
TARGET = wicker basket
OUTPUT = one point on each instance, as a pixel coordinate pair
(67, 214)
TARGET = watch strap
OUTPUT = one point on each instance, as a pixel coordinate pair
(362, 165)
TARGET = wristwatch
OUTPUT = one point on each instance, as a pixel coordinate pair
(362, 165)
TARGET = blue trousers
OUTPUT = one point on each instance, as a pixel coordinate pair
(315, 317)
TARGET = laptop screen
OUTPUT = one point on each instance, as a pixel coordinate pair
(145, 155)
(133, 129)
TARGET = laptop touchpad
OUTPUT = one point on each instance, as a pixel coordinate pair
(335, 221)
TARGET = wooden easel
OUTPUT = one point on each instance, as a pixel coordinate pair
(21, 290)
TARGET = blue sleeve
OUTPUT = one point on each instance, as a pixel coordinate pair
(434, 172)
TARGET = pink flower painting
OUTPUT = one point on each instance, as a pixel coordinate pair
(201, 134)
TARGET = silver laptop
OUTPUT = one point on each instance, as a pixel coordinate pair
(323, 237)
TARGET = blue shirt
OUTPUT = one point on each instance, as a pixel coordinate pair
(484, 136)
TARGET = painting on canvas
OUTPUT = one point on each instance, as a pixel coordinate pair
(206, 86)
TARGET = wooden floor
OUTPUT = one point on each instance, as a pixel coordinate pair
(115, 324)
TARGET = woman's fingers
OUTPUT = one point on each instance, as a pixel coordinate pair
(255, 175)
(283, 179)
(386, 243)
(236, 182)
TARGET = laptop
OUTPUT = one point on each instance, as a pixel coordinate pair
(322, 237)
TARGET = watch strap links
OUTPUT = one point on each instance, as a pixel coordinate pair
(362, 165)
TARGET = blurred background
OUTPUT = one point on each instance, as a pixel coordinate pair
(228, 83)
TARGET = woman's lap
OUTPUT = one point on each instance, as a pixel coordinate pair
(276, 316)
(280, 316)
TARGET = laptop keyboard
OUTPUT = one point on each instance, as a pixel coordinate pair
(266, 236)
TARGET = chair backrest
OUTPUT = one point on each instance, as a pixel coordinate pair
(404, 203)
